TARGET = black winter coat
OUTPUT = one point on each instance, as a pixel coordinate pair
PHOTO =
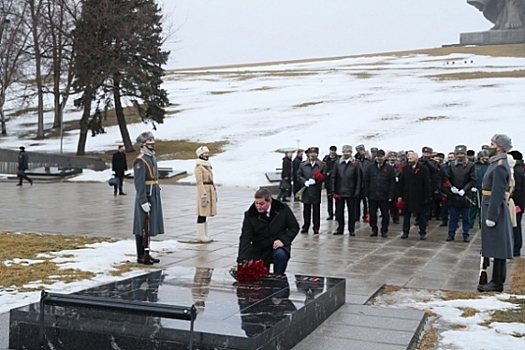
(312, 195)
(433, 171)
(414, 187)
(463, 177)
(519, 190)
(259, 232)
(379, 183)
(295, 167)
(286, 173)
(330, 163)
(23, 161)
(347, 178)
(119, 163)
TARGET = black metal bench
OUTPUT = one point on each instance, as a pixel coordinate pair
(116, 305)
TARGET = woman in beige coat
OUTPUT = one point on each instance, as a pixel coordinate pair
(206, 193)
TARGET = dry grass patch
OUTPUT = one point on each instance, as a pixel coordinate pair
(456, 295)
(517, 279)
(468, 311)
(429, 339)
(390, 117)
(307, 104)
(508, 315)
(263, 88)
(431, 118)
(478, 75)
(184, 149)
(28, 246)
(362, 75)
(220, 92)
(458, 326)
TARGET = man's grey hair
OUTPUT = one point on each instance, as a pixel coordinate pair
(263, 193)
(409, 152)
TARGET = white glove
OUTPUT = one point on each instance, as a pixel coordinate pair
(204, 200)
(461, 193)
(311, 181)
(454, 190)
(307, 183)
(474, 189)
(490, 223)
(146, 207)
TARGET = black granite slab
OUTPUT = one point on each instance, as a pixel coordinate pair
(275, 313)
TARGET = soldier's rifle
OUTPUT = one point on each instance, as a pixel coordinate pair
(145, 241)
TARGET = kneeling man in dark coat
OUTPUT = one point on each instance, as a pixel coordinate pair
(268, 229)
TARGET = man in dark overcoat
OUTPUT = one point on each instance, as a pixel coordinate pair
(518, 196)
(295, 168)
(330, 160)
(414, 192)
(379, 183)
(346, 188)
(496, 227)
(311, 197)
(147, 200)
(268, 229)
(119, 165)
(23, 164)
(460, 179)
(285, 187)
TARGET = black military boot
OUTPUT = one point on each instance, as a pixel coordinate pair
(140, 249)
(499, 273)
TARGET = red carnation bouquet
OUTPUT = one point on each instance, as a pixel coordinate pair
(317, 176)
(249, 271)
(400, 205)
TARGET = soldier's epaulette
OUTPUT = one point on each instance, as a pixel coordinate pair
(500, 162)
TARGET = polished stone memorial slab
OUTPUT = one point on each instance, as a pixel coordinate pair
(275, 313)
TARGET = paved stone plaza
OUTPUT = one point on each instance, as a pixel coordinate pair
(366, 262)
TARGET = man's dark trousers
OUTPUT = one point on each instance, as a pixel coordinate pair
(307, 216)
(340, 213)
(280, 261)
(384, 206)
(420, 218)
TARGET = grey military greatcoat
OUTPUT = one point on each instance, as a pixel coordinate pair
(497, 241)
(148, 190)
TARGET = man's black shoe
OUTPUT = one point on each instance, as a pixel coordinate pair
(19, 184)
(443, 224)
(304, 230)
(396, 221)
(352, 233)
(373, 234)
(449, 238)
(337, 233)
(122, 194)
(151, 261)
(330, 218)
(384, 235)
(466, 239)
(423, 237)
(316, 232)
(404, 235)
(490, 287)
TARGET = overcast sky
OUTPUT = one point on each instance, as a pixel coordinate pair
(212, 32)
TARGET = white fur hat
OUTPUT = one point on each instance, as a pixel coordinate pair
(146, 135)
(201, 150)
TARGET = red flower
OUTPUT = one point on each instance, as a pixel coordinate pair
(318, 176)
(400, 205)
(445, 197)
(447, 184)
(252, 271)
(337, 197)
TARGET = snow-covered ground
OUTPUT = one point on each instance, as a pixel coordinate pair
(460, 332)
(98, 258)
(388, 102)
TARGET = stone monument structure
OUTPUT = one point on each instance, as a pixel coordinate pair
(508, 17)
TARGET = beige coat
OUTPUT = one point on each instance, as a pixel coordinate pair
(508, 194)
(205, 186)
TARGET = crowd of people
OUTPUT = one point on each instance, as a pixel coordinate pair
(397, 184)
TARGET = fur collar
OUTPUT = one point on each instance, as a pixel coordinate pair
(277, 206)
(203, 162)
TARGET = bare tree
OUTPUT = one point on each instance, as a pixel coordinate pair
(14, 38)
(35, 12)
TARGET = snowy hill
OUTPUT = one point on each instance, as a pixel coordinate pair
(392, 102)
